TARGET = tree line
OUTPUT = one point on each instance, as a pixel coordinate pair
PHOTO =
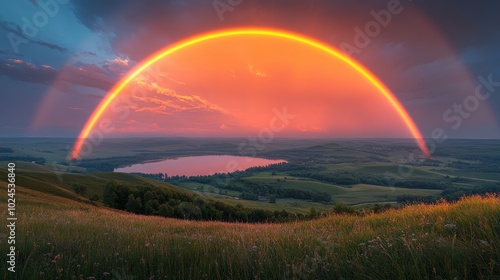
(152, 200)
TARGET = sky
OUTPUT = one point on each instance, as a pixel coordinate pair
(441, 59)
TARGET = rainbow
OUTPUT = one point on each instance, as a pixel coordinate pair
(117, 88)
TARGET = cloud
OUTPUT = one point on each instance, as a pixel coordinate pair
(12, 27)
(172, 101)
(172, 111)
(24, 71)
(257, 72)
(88, 53)
(464, 23)
(302, 127)
(87, 75)
(404, 55)
(49, 45)
(118, 65)
(155, 126)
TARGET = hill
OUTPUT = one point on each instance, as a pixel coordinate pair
(59, 237)
(41, 178)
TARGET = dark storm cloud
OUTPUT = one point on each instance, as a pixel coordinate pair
(469, 27)
(153, 23)
(465, 22)
(403, 56)
(156, 23)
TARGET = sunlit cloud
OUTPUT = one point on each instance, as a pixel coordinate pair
(171, 101)
(154, 126)
(257, 72)
(302, 127)
(118, 65)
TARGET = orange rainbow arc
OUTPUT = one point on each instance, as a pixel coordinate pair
(115, 91)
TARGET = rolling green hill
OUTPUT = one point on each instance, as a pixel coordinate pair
(59, 237)
(40, 178)
(64, 235)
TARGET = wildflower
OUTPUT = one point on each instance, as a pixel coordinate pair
(483, 243)
(450, 226)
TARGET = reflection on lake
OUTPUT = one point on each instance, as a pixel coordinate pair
(198, 165)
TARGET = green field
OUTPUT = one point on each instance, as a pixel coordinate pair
(299, 209)
(462, 159)
(64, 239)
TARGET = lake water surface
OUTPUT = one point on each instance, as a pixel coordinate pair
(198, 165)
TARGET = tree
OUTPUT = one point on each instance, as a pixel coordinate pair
(313, 213)
(188, 210)
(378, 208)
(148, 196)
(134, 204)
(109, 196)
(166, 210)
(79, 189)
(342, 208)
(151, 206)
(272, 199)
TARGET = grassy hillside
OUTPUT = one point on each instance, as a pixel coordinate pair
(60, 238)
(40, 178)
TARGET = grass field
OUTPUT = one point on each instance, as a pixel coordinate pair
(40, 178)
(62, 235)
(359, 157)
(59, 238)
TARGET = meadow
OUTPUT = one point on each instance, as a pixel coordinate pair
(65, 233)
(59, 238)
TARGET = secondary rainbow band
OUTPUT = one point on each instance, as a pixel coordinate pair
(115, 91)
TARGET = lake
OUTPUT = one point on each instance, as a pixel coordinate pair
(198, 165)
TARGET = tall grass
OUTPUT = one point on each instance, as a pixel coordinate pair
(76, 241)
